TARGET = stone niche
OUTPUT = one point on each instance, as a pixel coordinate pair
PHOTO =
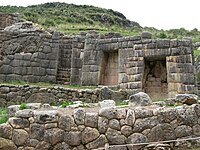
(109, 69)
(155, 77)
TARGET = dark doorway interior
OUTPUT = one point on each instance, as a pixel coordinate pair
(155, 77)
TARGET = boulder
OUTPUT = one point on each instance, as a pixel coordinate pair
(146, 35)
(6, 144)
(139, 99)
(188, 99)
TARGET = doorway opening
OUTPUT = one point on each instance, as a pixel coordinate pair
(155, 77)
(109, 69)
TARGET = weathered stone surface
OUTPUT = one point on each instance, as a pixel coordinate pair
(114, 124)
(12, 110)
(196, 130)
(115, 137)
(187, 116)
(18, 122)
(188, 99)
(73, 138)
(183, 131)
(99, 142)
(130, 117)
(146, 123)
(134, 139)
(107, 103)
(79, 116)
(126, 130)
(47, 116)
(91, 120)
(5, 131)
(89, 134)
(6, 144)
(19, 137)
(42, 98)
(167, 115)
(26, 113)
(54, 136)
(162, 132)
(139, 99)
(61, 146)
(66, 122)
(121, 113)
(143, 113)
(102, 124)
(37, 131)
(43, 146)
(33, 142)
(109, 113)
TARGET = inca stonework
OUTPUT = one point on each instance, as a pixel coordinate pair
(155, 66)
(82, 130)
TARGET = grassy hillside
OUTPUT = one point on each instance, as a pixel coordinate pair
(72, 19)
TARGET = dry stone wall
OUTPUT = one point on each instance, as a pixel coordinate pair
(8, 19)
(80, 129)
(13, 94)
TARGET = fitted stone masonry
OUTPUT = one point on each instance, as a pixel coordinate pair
(137, 63)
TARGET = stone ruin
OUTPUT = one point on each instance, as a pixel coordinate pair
(159, 67)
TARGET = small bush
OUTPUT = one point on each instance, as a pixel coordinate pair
(23, 106)
(162, 35)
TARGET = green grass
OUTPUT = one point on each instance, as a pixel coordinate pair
(196, 54)
(120, 103)
(66, 103)
(3, 115)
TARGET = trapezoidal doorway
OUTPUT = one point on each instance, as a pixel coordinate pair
(155, 77)
(109, 69)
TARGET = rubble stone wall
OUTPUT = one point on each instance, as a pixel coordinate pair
(80, 129)
(8, 19)
(13, 94)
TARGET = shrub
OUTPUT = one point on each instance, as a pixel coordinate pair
(23, 106)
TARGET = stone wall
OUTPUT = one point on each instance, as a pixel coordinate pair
(13, 94)
(29, 53)
(83, 129)
(29, 57)
(8, 19)
(132, 52)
